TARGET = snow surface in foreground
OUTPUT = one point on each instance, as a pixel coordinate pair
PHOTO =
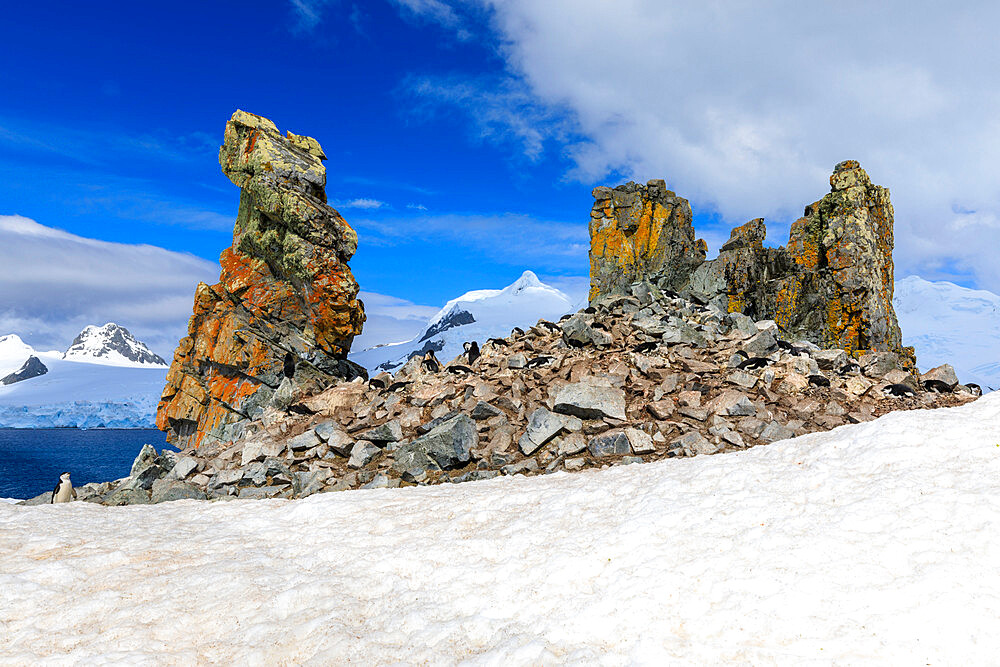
(875, 543)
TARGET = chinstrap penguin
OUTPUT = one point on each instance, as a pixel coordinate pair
(64, 491)
(471, 352)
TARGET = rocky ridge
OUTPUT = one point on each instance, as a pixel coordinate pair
(831, 285)
(280, 322)
(633, 378)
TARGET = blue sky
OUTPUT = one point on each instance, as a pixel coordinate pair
(111, 122)
(464, 136)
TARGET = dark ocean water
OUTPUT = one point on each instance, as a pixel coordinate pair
(31, 460)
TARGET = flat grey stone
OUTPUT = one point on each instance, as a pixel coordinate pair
(165, 491)
(517, 360)
(185, 466)
(829, 359)
(390, 431)
(694, 443)
(306, 440)
(760, 345)
(590, 401)
(326, 429)
(264, 492)
(774, 432)
(642, 442)
(127, 496)
(528, 465)
(612, 443)
(484, 410)
(543, 426)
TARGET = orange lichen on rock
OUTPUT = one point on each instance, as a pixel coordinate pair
(832, 284)
(640, 232)
(285, 310)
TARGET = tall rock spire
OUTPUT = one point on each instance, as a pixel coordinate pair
(285, 311)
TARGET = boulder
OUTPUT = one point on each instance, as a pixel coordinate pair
(165, 490)
(775, 431)
(390, 431)
(694, 443)
(943, 374)
(125, 495)
(285, 310)
(641, 442)
(362, 454)
(733, 404)
(448, 445)
(303, 441)
(590, 401)
(542, 427)
(483, 410)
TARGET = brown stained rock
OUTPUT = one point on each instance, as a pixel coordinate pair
(286, 303)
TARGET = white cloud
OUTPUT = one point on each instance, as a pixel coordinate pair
(416, 207)
(508, 238)
(54, 283)
(745, 107)
(361, 203)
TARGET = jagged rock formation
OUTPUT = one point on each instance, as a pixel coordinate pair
(832, 285)
(638, 232)
(634, 378)
(285, 311)
(32, 368)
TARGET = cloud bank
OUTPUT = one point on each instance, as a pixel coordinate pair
(54, 283)
(745, 107)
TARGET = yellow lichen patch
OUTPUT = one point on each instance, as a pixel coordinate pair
(787, 302)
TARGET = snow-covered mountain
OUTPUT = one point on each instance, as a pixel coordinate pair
(476, 315)
(112, 345)
(81, 390)
(950, 324)
(14, 352)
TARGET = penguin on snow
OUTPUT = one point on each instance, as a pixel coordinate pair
(64, 491)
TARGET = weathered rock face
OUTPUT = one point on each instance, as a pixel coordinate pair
(640, 232)
(832, 285)
(285, 311)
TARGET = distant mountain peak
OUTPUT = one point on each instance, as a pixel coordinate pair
(32, 368)
(113, 345)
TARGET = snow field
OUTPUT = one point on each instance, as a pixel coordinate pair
(872, 544)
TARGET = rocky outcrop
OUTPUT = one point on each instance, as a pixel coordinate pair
(831, 285)
(641, 232)
(534, 403)
(32, 368)
(285, 311)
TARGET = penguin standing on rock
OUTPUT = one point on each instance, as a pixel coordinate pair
(430, 362)
(471, 352)
(64, 491)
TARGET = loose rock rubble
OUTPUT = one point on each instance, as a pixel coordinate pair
(633, 378)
